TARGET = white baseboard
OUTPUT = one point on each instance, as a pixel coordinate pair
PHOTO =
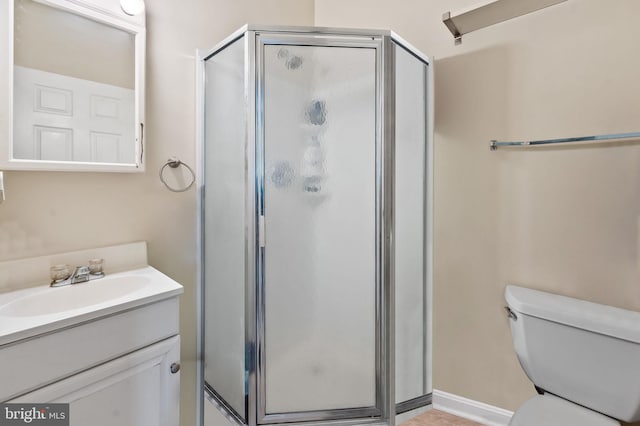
(470, 409)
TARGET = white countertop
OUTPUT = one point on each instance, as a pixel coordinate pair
(14, 328)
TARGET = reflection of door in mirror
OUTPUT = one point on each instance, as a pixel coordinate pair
(74, 81)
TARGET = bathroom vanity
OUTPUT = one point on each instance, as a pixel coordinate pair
(110, 348)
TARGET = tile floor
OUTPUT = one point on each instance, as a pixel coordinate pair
(430, 418)
(438, 418)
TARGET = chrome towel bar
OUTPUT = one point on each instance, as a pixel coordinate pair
(615, 136)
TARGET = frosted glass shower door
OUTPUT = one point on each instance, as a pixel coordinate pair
(320, 151)
(223, 226)
(412, 328)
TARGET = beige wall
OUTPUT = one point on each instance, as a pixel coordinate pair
(563, 220)
(59, 211)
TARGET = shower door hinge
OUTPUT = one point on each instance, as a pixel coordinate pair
(261, 236)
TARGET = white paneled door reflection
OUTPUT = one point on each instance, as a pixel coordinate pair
(60, 118)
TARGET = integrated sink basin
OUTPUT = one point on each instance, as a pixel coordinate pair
(41, 309)
(60, 299)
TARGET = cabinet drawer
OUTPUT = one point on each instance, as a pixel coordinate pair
(36, 362)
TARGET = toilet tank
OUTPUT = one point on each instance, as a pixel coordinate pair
(581, 351)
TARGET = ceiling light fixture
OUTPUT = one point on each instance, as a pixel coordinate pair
(132, 7)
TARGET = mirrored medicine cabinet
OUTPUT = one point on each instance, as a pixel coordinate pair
(71, 86)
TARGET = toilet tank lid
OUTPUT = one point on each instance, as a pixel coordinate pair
(602, 319)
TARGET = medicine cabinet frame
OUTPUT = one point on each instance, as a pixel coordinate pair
(107, 12)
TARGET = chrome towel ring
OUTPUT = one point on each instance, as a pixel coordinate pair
(174, 163)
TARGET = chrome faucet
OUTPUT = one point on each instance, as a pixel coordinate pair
(80, 275)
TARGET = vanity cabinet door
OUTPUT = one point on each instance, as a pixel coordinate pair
(139, 389)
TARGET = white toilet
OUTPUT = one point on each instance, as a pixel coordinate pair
(583, 358)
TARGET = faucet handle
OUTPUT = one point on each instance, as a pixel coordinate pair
(96, 266)
(59, 273)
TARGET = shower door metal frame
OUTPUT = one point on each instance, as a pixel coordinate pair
(426, 397)
(384, 412)
(249, 99)
(382, 223)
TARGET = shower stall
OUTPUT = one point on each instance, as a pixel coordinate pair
(315, 188)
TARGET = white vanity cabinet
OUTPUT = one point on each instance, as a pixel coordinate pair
(138, 389)
(114, 361)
